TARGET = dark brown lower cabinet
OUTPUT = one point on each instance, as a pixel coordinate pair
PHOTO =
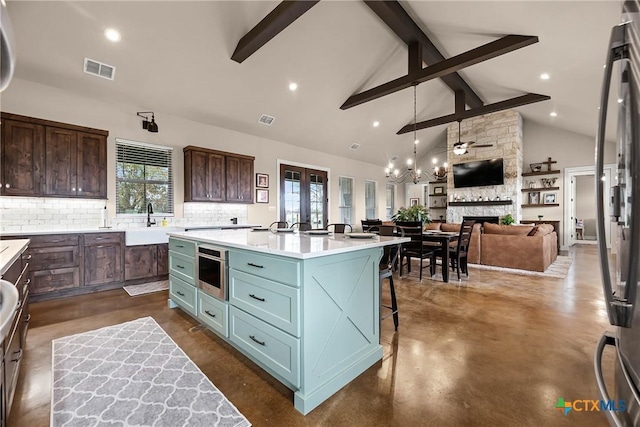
(146, 261)
(163, 259)
(103, 258)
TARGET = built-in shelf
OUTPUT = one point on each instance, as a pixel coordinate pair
(545, 205)
(540, 189)
(483, 203)
(444, 181)
(438, 207)
(540, 173)
(438, 195)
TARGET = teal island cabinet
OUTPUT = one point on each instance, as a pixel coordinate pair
(304, 307)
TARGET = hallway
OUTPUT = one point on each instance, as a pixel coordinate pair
(493, 350)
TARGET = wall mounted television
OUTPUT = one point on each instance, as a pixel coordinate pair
(478, 173)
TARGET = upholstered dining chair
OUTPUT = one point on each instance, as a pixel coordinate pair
(279, 224)
(301, 226)
(416, 249)
(368, 223)
(340, 228)
(459, 254)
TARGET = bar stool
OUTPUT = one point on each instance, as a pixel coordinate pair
(387, 262)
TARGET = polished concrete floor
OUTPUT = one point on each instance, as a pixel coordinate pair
(493, 350)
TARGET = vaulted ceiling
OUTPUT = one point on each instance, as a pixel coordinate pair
(175, 58)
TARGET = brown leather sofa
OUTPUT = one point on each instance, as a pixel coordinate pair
(524, 247)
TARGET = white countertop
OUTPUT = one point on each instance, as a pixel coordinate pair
(10, 250)
(123, 230)
(294, 245)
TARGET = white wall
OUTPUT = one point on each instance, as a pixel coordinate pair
(45, 102)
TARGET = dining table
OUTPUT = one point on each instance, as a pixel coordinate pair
(444, 239)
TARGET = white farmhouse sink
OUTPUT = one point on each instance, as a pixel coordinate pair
(149, 236)
(8, 305)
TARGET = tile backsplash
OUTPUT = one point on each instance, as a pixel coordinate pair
(45, 213)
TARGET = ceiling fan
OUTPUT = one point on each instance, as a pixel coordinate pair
(460, 148)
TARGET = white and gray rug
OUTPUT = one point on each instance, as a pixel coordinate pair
(558, 269)
(146, 288)
(133, 374)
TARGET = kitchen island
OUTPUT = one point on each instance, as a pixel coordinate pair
(304, 307)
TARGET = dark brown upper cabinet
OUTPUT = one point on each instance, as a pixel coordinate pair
(217, 176)
(46, 158)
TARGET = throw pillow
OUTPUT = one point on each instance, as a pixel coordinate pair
(433, 226)
(450, 227)
(544, 229)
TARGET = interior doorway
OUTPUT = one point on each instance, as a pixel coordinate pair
(580, 204)
(303, 195)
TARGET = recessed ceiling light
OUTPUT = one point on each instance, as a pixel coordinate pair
(553, 114)
(112, 35)
(293, 86)
(544, 76)
(376, 124)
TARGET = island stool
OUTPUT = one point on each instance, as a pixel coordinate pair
(388, 260)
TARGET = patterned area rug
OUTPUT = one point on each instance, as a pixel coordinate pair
(146, 288)
(133, 374)
(558, 269)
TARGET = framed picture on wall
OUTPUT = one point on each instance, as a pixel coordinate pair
(414, 202)
(262, 180)
(262, 196)
(534, 198)
(438, 190)
(549, 198)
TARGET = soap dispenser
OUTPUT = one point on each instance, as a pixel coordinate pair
(164, 221)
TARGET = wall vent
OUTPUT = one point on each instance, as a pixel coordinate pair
(266, 120)
(99, 69)
(394, 158)
(354, 146)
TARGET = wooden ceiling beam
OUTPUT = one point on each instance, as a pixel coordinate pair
(277, 20)
(396, 18)
(443, 68)
(518, 101)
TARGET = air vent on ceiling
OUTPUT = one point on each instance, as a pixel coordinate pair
(354, 146)
(266, 120)
(394, 158)
(99, 69)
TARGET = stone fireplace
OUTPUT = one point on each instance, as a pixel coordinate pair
(504, 131)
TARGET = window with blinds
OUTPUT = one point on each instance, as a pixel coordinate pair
(143, 175)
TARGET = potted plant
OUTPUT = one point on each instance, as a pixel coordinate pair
(507, 220)
(412, 213)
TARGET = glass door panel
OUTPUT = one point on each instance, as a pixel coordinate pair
(303, 196)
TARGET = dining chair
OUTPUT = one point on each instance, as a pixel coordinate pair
(416, 249)
(301, 226)
(368, 223)
(387, 263)
(340, 228)
(279, 224)
(459, 254)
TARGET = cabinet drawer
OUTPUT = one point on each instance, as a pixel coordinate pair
(53, 257)
(183, 247)
(54, 240)
(183, 294)
(274, 349)
(273, 268)
(272, 302)
(44, 281)
(182, 267)
(213, 313)
(102, 238)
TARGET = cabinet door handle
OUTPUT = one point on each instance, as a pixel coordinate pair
(255, 265)
(180, 293)
(27, 282)
(258, 298)
(99, 238)
(73, 188)
(17, 359)
(179, 246)
(28, 318)
(179, 266)
(254, 339)
(209, 313)
(79, 189)
(7, 185)
(28, 257)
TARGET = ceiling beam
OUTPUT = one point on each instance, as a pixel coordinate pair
(443, 68)
(277, 20)
(396, 18)
(518, 101)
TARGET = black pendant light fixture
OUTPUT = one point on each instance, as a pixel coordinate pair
(147, 124)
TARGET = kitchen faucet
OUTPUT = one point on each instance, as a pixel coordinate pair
(149, 212)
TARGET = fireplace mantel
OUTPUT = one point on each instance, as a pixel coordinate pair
(483, 203)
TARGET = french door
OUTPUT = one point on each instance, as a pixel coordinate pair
(303, 196)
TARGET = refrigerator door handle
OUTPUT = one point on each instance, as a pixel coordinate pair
(606, 339)
(619, 309)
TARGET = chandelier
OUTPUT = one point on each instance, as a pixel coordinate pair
(413, 173)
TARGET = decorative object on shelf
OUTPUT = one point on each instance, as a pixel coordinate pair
(535, 167)
(540, 217)
(441, 217)
(548, 182)
(147, 124)
(414, 202)
(262, 180)
(435, 203)
(262, 196)
(549, 162)
(438, 190)
(534, 198)
(507, 220)
(413, 173)
(413, 213)
(549, 198)
(497, 198)
(533, 184)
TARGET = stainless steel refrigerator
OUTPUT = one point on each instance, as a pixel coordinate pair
(620, 281)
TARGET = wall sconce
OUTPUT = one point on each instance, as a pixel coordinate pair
(151, 126)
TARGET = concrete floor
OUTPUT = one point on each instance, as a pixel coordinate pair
(496, 349)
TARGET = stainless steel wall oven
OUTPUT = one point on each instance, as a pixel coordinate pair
(212, 271)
